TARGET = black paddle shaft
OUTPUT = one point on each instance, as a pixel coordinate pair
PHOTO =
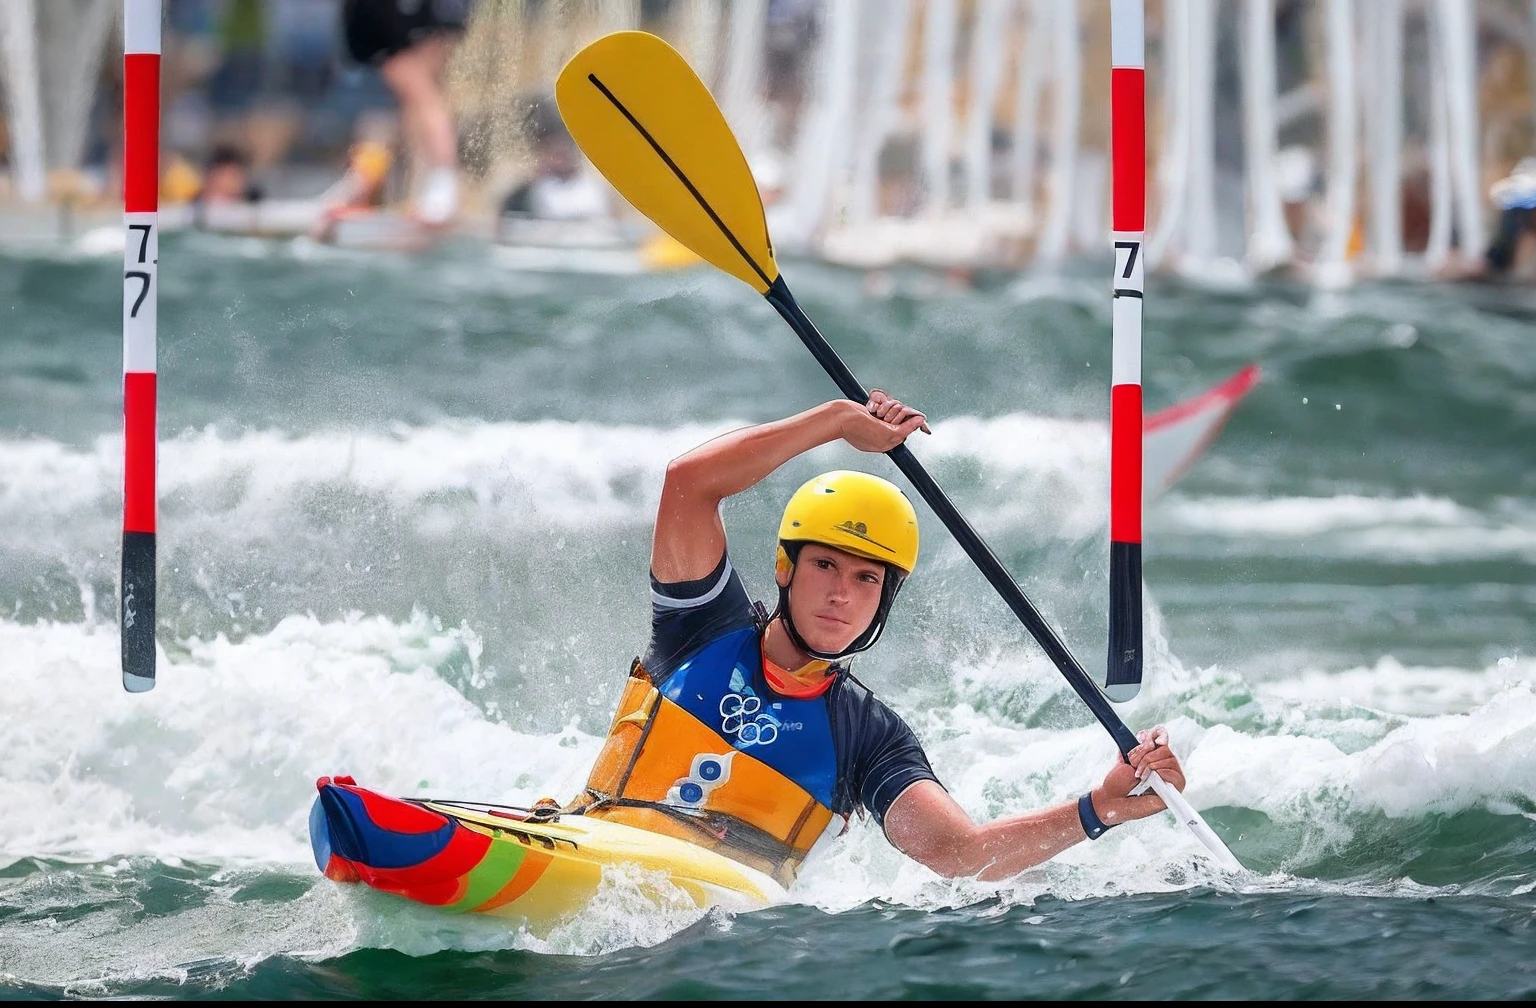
(779, 296)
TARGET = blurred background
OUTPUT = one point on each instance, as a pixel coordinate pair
(1331, 139)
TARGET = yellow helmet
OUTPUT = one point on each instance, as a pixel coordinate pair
(857, 513)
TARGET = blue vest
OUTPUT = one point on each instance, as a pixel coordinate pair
(723, 685)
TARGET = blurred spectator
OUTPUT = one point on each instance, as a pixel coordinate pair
(1511, 251)
(246, 96)
(362, 187)
(409, 41)
(242, 40)
(359, 192)
(303, 40)
(191, 57)
(1301, 198)
(559, 189)
(791, 34)
(227, 178)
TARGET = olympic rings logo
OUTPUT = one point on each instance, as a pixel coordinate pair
(741, 716)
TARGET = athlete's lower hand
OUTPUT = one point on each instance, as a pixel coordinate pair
(1153, 755)
(1112, 800)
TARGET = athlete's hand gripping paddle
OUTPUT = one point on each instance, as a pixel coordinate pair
(643, 117)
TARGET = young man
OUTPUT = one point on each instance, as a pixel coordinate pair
(409, 41)
(743, 730)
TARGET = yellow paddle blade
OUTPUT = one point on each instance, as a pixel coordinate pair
(643, 117)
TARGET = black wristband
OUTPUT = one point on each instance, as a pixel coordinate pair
(1092, 824)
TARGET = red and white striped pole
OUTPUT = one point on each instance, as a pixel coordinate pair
(141, 256)
(1128, 162)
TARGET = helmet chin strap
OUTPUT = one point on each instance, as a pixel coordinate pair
(864, 641)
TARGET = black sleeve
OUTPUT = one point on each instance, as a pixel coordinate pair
(689, 614)
(879, 756)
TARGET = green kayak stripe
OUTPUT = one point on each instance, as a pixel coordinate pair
(491, 875)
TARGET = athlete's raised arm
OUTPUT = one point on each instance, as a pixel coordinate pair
(927, 825)
(690, 537)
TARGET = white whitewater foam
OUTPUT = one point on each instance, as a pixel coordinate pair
(218, 763)
(1402, 529)
(568, 469)
(1389, 687)
(572, 473)
(219, 760)
(1045, 474)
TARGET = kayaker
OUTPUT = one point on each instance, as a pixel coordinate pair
(744, 730)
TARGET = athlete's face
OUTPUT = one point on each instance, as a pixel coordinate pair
(834, 596)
